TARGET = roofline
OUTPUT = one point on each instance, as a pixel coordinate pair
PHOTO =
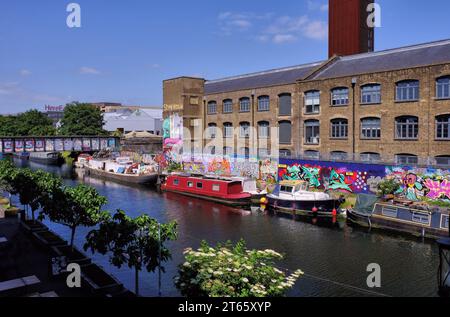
(182, 77)
(271, 71)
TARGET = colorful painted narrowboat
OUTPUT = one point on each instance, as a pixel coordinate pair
(227, 192)
(295, 197)
(372, 213)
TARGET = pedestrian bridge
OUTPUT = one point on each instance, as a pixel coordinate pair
(58, 144)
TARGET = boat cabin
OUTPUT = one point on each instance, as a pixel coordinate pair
(291, 187)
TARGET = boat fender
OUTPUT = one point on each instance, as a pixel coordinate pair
(315, 210)
(334, 212)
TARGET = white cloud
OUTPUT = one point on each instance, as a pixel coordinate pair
(287, 29)
(284, 38)
(317, 30)
(324, 8)
(25, 72)
(89, 71)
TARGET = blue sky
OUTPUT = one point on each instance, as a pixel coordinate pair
(124, 49)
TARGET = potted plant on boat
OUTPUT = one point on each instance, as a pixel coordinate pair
(388, 188)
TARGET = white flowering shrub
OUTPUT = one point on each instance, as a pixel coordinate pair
(232, 271)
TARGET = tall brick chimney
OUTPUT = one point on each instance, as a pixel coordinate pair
(349, 32)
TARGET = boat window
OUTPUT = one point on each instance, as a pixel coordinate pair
(421, 218)
(286, 189)
(200, 185)
(445, 221)
(190, 184)
(176, 181)
(216, 187)
(389, 212)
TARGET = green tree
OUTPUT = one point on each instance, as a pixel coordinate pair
(227, 270)
(8, 126)
(34, 123)
(82, 119)
(8, 173)
(137, 242)
(75, 206)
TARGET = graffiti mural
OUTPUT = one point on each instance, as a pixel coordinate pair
(421, 183)
(173, 138)
(345, 177)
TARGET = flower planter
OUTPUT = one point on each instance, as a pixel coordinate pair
(72, 256)
(33, 226)
(48, 239)
(99, 282)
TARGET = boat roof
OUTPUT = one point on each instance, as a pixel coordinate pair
(201, 177)
(292, 182)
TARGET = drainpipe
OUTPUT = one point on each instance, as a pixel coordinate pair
(354, 81)
(254, 137)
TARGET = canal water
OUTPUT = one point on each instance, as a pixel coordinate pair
(334, 258)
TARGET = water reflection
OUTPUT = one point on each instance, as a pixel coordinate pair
(333, 252)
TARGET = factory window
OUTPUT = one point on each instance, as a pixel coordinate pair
(370, 157)
(263, 130)
(199, 185)
(406, 159)
(338, 156)
(339, 97)
(443, 88)
(339, 129)
(244, 130)
(228, 130)
(370, 128)
(244, 104)
(443, 160)
(285, 104)
(212, 107)
(228, 106)
(263, 103)
(285, 153)
(443, 127)
(212, 130)
(312, 102)
(244, 152)
(371, 94)
(211, 150)
(285, 132)
(228, 151)
(407, 128)
(315, 155)
(312, 132)
(262, 152)
(407, 90)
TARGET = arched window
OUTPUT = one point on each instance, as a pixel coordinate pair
(285, 104)
(443, 87)
(228, 129)
(339, 129)
(212, 107)
(371, 94)
(263, 103)
(443, 160)
(370, 128)
(370, 157)
(211, 150)
(312, 131)
(443, 127)
(227, 106)
(285, 153)
(228, 150)
(312, 154)
(263, 130)
(212, 130)
(338, 155)
(244, 104)
(407, 128)
(312, 102)
(406, 159)
(407, 90)
(339, 96)
(244, 131)
(285, 132)
(244, 152)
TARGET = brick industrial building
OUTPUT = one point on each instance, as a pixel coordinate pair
(389, 106)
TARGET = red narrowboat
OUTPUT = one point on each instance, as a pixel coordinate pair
(227, 192)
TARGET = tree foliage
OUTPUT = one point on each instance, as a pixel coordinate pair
(232, 270)
(82, 119)
(75, 206)
(29, 123)
(137, 242)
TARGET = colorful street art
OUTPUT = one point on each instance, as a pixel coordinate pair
(350, 178)
(421, 183)
(173, 137)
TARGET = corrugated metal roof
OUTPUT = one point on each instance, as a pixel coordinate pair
(273, 77)
(399, 58)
